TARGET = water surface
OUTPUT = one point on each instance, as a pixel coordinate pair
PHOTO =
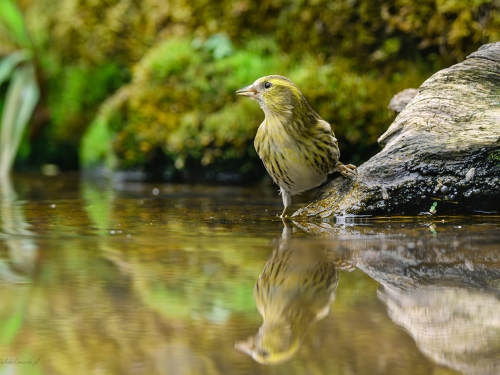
(126, 278)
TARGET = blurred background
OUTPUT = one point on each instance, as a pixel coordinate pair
(158, 278)
(148, 86)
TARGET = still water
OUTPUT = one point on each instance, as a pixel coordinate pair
(159, 279)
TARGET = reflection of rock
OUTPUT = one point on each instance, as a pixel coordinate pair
(441, 287)
(431, 290)
(294, 291)
(458, 328)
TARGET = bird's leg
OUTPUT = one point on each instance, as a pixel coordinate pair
(346, 170)
(287, 231)
(287, 201)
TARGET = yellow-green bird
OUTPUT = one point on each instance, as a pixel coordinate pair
(297, 146)
(295, 290)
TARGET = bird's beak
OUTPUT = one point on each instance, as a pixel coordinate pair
(244, 346)
(247, 91)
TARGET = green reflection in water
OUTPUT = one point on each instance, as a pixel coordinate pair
(123, 281)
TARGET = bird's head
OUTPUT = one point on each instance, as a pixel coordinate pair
(273, 344)
(277, 95)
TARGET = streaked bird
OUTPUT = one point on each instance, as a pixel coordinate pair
(295, 289)
(297, 146)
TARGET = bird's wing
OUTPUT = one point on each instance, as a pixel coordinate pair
(324, 135)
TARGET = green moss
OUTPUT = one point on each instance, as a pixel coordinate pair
(96, 145)
(182, 100)
(74, 96)
(371, 31)
(495, 157)
(187, 58)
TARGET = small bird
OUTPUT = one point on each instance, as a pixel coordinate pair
(297, 146)
(294, 291)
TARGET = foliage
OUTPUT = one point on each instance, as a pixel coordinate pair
(364, 29)
(13, 31)
(178, 100)
(73, 94)
(495, 157)
(180, 109)
(181, 99)
(22, 94)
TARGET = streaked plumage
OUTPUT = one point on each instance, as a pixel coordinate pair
(295, 289)
(297, 146)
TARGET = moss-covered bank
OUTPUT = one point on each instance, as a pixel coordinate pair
(181, 101)
(166, 72)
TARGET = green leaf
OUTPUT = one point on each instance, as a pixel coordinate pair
(12, 21)
(8, 64)
(20, 101)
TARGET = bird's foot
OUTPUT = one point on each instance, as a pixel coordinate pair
(284, 216)
(285, 219)
(347, 170)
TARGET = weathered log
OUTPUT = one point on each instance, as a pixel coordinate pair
(441, 154)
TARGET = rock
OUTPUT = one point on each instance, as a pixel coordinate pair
(401, 100)
(449, 128)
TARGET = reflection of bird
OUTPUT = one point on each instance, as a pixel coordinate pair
(295, 290)
(297, 146)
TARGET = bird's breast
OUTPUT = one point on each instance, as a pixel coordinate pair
(296, 162)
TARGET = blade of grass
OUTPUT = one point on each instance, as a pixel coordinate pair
(11, 107)
(20, 101)
(8, 64)
(29, 98)
(11, 19)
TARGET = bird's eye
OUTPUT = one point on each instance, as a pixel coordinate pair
(267, 84)
(265, 353)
